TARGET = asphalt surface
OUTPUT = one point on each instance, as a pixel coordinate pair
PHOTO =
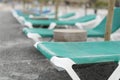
(19, 60)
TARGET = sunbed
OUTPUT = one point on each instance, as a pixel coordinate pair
(38, 20)
(19, 15)
(31, 23)
(38, 12)
(98, 31)
(52, 16)
(66, 54)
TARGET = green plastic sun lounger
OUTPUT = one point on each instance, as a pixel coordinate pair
(21, 13)
(35, 20)
(20, 16)
(98, 31)
(66, 54)
(67, 15)
(30, 23)
(42, 16)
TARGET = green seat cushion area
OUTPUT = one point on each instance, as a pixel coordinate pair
(62, 22)
(62, 16)
(50, 33)
(77, 20)
(86, 18)
(94, 33)
(40, 22)
(67, 15)
(82, 52)
(40, 31)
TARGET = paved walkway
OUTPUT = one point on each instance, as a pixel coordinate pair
(19, 60)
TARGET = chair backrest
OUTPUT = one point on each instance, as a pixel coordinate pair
(116, 22)
(86, 18)
(67, 15)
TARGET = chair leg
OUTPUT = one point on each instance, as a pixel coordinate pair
(21, 20)
(52, 25)
(28, 24)
(66, 64)
(34, 36)
(116, 74)
(50, 40)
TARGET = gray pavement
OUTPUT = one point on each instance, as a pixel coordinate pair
(19, 60)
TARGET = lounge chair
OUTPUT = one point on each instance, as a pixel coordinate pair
(30, 23)
(19, 15)
(37, 11)
(38, 20)
(66, 54)
(52, 16)
(98, 31)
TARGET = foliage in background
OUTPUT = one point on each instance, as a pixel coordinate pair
(100, 4)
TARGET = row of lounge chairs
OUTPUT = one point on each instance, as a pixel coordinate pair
(63, 20)
(66, 54)
(98, 31)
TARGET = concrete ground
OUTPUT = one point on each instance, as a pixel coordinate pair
(19, 60)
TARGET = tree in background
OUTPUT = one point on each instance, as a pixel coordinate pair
(117, 4)
(96, 4)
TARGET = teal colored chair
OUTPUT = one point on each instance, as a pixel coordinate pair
(30, 23)
(52, 16)
(21, 17)
(98, 31)
(66, 54)
(36, 20)
(27, 17)
(20, 13)
(62, 22)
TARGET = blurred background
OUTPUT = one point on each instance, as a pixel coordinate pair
(95, 4)
(66, 5)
